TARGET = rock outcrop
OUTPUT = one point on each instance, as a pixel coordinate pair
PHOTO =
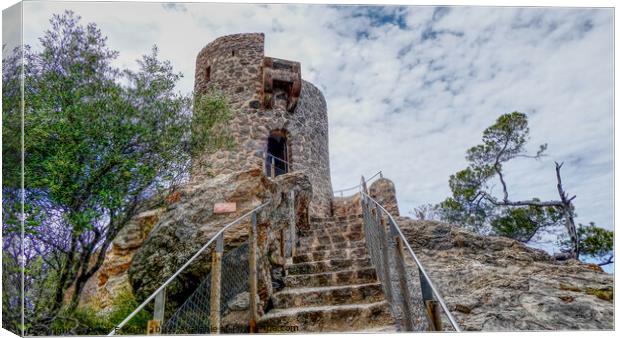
(111, 280)
(498, 284)
(189, 223)
(489, 283)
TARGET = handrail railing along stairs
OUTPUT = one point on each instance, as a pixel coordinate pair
(160, 294)
(380, 245)
(375, 217)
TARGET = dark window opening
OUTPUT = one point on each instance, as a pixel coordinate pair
(277, 155)
(282, 85)
(208, 74)
(281, 90)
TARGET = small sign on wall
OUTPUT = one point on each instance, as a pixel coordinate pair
(224, 207)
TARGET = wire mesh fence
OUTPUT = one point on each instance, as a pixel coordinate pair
(414, 302)
(194, 315)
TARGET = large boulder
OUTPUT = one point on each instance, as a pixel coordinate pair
(190, 222)
(494, 283)
(111, 280)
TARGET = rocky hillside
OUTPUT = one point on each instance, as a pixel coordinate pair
(498, 284)
(489, 283)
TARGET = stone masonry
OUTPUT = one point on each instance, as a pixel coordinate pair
(329, 284)
(262, 93)
(332, 285)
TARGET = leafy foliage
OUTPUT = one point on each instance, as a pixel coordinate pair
(474, 206)
(87, 321)
(211, 112)
(122, 306)
(523, 223)
(595, 243)
(466, 206)
(426, 212)
(80, 321)
(100, 144)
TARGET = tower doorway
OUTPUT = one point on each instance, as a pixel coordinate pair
(277, 159)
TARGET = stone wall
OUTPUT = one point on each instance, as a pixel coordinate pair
(381, 190)
(384, 192)
(234, 64)
(346, 206)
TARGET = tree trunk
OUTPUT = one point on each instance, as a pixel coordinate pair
(565, 204)
(567, 212)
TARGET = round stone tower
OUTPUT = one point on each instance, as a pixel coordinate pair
(279, 121)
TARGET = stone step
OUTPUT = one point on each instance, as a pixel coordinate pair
(329, 318)
(321, 255)
(328, 265)
(331, 246)
(333, 238)
(354, 222)
(318, 233)
(335, 241)
(332, 278)
(334, 218)
(328, 295)
(356, 225)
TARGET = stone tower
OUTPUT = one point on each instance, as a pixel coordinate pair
(279, 121)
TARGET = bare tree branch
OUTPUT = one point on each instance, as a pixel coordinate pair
(608, 261)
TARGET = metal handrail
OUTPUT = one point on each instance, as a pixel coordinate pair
(277, 158)
(289, 164)
(169, 280)
(380, 172)
(440, 299)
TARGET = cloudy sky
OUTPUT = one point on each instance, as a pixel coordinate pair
(410, 89)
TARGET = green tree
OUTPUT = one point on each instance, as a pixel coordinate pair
(594, 242)
(100, 144)
(473, 204)
(523, 223)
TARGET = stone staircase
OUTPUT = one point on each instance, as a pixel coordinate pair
(331, 286)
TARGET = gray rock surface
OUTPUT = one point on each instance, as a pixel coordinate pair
(186, 225)
(498, 284)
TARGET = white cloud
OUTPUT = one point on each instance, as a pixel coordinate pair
(409, 89)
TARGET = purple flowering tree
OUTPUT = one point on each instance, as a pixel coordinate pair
(100, 144)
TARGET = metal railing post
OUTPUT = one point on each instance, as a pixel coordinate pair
(170, 279)
(408, 319)
(432, 301)
(253, 276)
(364, 187)
(385, 258)
(282, 244)
(154, 326)
(273, 167)
(432, 310)
(292, 226)
(216, 284)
